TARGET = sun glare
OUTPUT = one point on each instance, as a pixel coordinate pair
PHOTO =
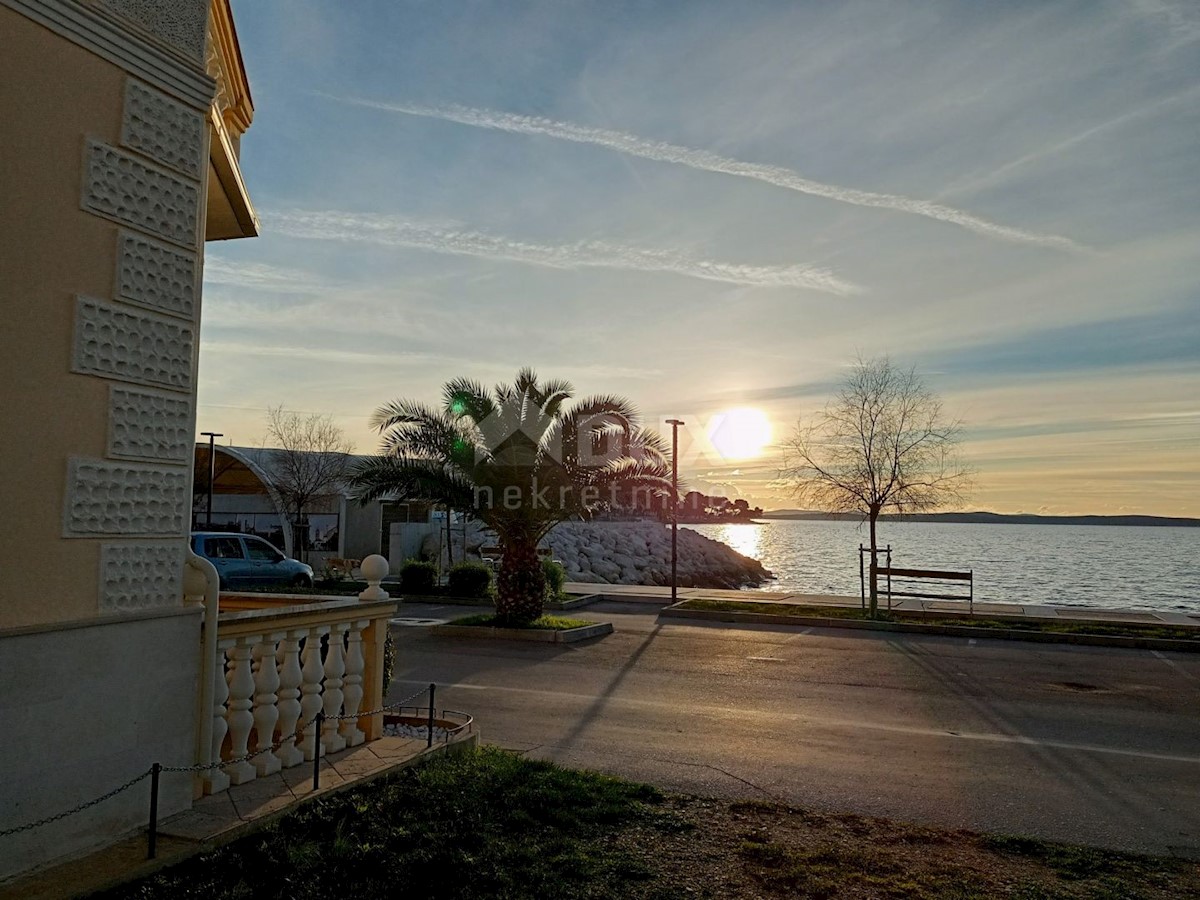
(739, 433)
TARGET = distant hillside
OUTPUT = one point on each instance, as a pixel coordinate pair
(989, 518)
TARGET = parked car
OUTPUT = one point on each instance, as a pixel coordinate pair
(245, 561)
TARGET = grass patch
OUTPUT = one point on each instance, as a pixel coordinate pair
(1119, 629)
(489, 823)
(542, 623)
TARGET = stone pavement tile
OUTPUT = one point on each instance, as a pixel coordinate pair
(395, 749)
(1035, 611)
(299, 778)
(261, 796)
(199, 826)
(359, 766)
(215, 804)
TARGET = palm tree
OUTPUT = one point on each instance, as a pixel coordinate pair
(520, 460)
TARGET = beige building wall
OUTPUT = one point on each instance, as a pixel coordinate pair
(107, 114)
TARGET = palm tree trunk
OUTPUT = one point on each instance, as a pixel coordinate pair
(521, 588)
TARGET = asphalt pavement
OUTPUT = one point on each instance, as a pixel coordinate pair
(1084, 744)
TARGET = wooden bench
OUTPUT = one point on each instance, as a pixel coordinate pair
(921, 575)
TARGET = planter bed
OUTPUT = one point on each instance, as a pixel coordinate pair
(552, 630)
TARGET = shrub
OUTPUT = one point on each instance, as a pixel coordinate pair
(469, 579)
(556, 577)
(418, 578)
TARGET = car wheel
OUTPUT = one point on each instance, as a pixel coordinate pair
(302, 581)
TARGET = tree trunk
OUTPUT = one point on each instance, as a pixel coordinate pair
(521, 587)
(873, 607)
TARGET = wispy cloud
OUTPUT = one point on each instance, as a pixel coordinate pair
(660, 151)
(260, 276)
(395, 231)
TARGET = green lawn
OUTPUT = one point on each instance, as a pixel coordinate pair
(1023, 624)
(490, 823)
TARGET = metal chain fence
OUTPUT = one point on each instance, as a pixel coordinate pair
(154, 770)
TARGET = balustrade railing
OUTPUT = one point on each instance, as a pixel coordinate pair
(277, 668)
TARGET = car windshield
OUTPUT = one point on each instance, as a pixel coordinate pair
(223, 548)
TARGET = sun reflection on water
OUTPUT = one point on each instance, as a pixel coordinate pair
(742, 538)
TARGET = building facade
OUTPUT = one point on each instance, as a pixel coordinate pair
(122, 127)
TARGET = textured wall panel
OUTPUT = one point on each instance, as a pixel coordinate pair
(121, 187)
(149, 425)
(137, 576)
(163, 129)
(155, 276)
(180, 23)
(130, 346)
(106, 498)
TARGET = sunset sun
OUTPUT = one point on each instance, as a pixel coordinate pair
(739, 433)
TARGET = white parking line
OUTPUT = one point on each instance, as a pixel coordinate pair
(766, 658)
(1176, 666)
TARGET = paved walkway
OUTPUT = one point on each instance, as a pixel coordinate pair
(632, 593)
(221, 818)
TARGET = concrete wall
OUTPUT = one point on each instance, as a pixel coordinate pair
(406, 541)
(360, 529)
(85, 709)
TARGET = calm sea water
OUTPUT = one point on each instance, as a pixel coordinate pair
(1069, 565)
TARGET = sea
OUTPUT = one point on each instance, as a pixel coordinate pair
(1098, 566)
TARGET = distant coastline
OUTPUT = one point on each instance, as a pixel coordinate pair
(989, 518)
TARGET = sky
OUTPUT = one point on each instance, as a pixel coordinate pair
(713, 206)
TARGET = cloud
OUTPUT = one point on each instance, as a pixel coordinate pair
(659, 151)
(260, 276)
(396, 231)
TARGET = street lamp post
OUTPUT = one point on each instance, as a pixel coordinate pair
(674, 423)
(212, 471)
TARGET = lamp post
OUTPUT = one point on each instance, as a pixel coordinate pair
(674, 423)
(212, 471)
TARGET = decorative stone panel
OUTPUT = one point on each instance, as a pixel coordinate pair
(163, 129)
(155, 276)
(180, 23)
(149, 425)
(123, 188)
(132, 346)
(136, 576)
(116, 498)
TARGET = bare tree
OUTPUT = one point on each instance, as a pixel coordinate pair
(881, 444)
(310, 463)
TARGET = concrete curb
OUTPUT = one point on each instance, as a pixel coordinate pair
(536, 635)
(1003, 634)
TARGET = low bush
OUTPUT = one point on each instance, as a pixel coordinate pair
(418, 578)
(556, 577)
(469, 579)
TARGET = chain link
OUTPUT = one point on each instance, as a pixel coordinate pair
(80, 808)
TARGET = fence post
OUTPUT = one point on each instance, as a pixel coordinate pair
(318, 723)
(152, 837)
(862, 579)
(429, 741)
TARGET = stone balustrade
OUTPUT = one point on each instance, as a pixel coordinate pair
(279, 662)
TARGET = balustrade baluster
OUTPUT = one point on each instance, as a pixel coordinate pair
(214, 779)
(310, 693)
(335, 668)
(239, 717)
(266, 710)
(352, 690)
(290, 677)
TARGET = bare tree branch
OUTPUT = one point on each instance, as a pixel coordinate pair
(882, 443)
(311, 461)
